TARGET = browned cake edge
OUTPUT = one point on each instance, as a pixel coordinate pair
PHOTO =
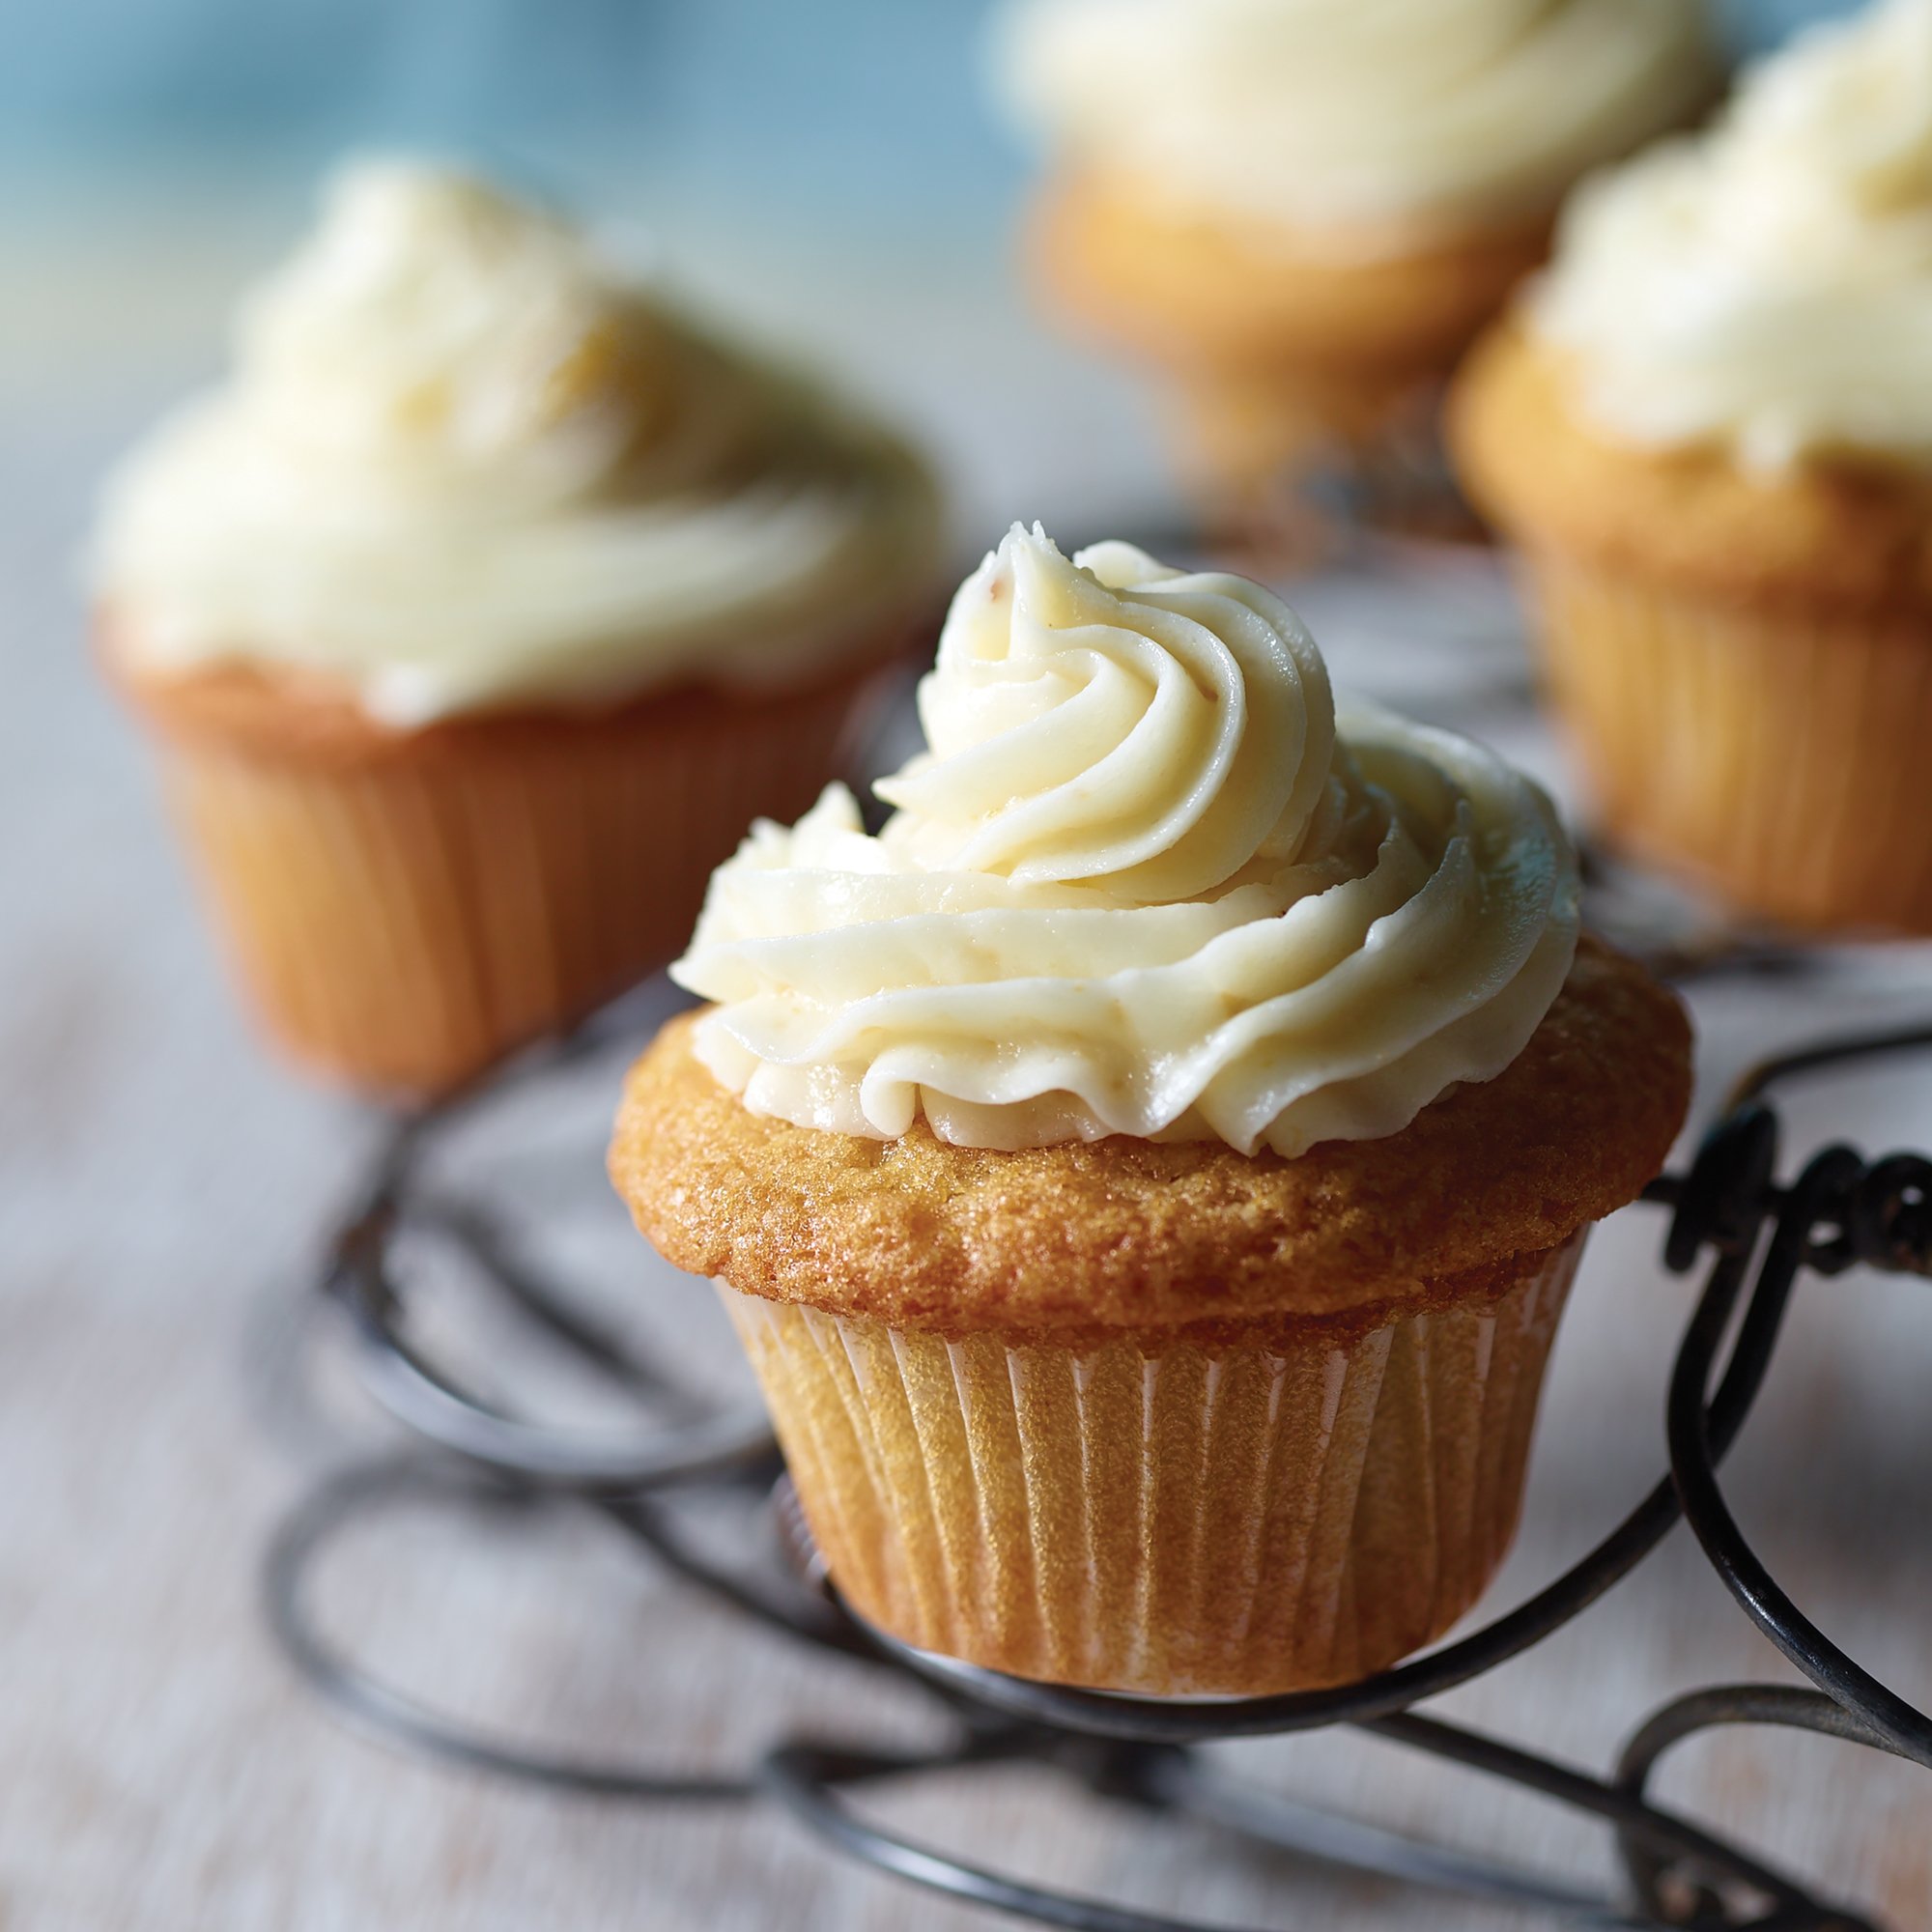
(1121, 1232)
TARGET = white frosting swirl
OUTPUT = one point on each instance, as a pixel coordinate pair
(1768, 287)
(1363, 121)
(463, 462)
(1138, 885)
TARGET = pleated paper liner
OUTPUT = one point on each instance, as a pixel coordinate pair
(1156, 1515)
(1775, 755)
(400, 920)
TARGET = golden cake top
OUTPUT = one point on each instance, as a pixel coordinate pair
(1820, 537)
(1128, 1233)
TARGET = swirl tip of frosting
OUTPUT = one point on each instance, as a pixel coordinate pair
(1110, 721)
(433, 311)
(384, 194)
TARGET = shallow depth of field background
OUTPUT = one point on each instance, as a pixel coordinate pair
(832, 178)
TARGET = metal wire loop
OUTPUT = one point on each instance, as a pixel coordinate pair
(1725, 1705)
(1755, 1237)
(432, 1401)
(810, 1779)
(392, 1715)
(1820, 1195)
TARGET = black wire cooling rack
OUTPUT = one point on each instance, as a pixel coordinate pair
(1754, 1236)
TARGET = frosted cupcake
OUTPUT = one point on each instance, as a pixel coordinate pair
(477, 611)
(1148, 1174)
(1710, 430)
(1301, 212)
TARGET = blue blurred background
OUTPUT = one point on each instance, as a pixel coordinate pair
(852, 107)
(831, 175)
(826, 173)
(841, 107)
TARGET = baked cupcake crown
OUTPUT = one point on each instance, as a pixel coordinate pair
(1143, 882)
(1127, 1233)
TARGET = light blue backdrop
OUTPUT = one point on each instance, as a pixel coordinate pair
(870, 102)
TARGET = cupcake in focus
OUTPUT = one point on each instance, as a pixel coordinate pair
(1302, 211)
(475, 612)
(1708, 430)
(1148, 1174)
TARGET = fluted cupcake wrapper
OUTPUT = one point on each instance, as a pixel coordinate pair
(1155, 1513)
(401, 921)
(1775, 755)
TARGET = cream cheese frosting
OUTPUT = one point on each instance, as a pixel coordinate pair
(1144, 880)
(1768, 288)
(1360, 122)
(464, 461)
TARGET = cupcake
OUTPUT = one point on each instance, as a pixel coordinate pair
(1709, 431)
(477, 611)
(1147, 1175)
(1301, 213)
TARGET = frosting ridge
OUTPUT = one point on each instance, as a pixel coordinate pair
(465, 460)
(1768, 287)
(1365, 120)
(1057, 692)
(1142, 882)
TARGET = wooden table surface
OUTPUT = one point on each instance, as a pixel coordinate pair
(162, 1401)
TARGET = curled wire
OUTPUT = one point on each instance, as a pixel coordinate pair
(1759, 1238)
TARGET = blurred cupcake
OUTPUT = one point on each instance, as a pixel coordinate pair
(1710, 430)
(475, 613)
(1147, 1176)
(1301, 210)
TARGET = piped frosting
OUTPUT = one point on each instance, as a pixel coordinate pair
(464, 461)
(1144, 880)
